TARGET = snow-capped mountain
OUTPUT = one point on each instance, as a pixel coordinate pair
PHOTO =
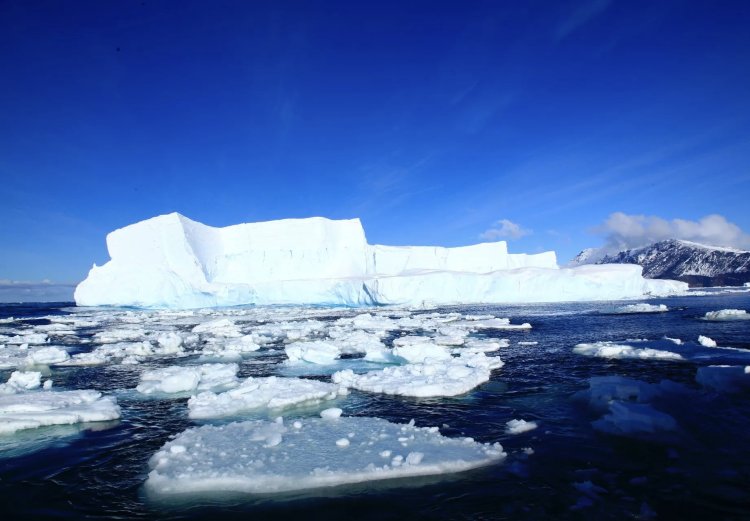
(690, 262)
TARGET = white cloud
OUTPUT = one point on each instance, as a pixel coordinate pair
(505, 229)
(623, 231)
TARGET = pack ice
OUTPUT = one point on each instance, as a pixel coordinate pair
(269, 457)
(171, 261)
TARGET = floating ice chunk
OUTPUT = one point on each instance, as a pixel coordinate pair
(627, 418)
(316, 352)
(38, 409)
(47, 356)
(86, 359)
(519, 426)
(21, 381)
(370, 322)
(302, 459)
(219, 327)
(261, 393)
(724, 378)
(674, 340)
(642, 308)
(494, 323)
(237, 345)
(449, 377)
(727, 315)
(28, 338)
(170, 342)
(484, 345)
(420, 351)
(331, 414)
(181, 379)
(527, 343)
(620, 351)
(706, 341)
(361, 342)
(113, 336)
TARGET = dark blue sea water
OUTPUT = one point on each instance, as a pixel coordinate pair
(702, 470)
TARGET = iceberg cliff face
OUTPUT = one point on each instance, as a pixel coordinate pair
(171, 261)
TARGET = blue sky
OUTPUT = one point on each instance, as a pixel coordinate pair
(431, 122)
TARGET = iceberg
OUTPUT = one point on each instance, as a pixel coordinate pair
(170, 261)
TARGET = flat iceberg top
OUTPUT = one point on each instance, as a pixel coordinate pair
(258, 457)
(170, 261)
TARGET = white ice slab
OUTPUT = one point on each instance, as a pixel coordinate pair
(39, 409)
(621, 351)
(726, 315)
(188, 379)
(262, 393)
(258, 457)
(450, 377)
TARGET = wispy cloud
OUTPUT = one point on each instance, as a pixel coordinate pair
(35, 291)
(580, 17)
(505, 229)
(623, 231)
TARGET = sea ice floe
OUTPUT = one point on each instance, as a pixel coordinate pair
(262, 393)
(315, 352)
(419, 350)
(25, 356)
(727, 315)
(448, 377)
(519, 426)
(706, 341)
(724, 378)
(30, 410)
(47, 356)
(621, 351)
(189, 379)
(492, 323)
(258, 457)
(642, 308)
(21, 381)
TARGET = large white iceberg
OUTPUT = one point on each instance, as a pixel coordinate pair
(171, 261)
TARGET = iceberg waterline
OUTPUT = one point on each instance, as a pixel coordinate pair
(170, 261)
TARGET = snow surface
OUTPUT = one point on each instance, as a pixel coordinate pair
(259, 457)
(262, 393)
(170, 261)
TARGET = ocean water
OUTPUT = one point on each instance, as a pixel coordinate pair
(700, 469)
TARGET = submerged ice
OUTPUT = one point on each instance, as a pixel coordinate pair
(173, 262)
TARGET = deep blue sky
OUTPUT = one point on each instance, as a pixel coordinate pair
(429, 122)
